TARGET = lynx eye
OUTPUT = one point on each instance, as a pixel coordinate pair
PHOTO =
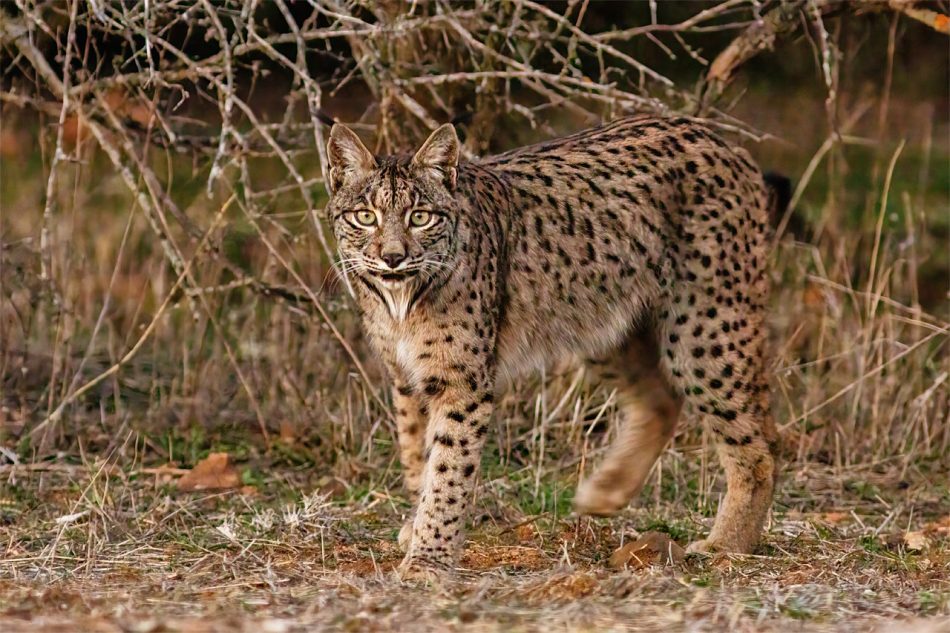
(363, 218)
(419, 219)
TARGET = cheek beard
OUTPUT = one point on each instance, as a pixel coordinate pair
(400, 297)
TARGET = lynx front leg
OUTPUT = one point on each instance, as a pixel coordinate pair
(458, 424)
(411, 421)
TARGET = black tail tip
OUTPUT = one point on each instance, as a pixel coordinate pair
(780, 190)
(325, 118)
(780, 197)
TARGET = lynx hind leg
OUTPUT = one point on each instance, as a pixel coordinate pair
(649, 411)
(751, 472)
(714, 354)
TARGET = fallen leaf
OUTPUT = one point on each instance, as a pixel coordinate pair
(214, 472)
(917, 541)
(652, 548)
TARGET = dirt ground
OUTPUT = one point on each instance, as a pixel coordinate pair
(97, 547)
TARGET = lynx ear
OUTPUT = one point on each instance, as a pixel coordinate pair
(440, 153)
(347, 157)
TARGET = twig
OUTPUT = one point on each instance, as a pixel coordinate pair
(57, 413)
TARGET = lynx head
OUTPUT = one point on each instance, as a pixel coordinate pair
(395, 219)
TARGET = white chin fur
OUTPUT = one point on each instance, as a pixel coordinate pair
(398, 294)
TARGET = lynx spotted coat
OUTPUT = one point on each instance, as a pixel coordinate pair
(638, 247)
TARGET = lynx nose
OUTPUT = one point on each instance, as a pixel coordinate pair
(393, 255)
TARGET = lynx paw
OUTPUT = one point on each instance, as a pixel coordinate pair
(713, 545)
(703, 546)
(597, 500)
(422, 571)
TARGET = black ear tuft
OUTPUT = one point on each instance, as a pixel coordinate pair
(440, 153)
(347, 157)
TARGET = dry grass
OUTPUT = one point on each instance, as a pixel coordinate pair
(125, 552)
(247, 346)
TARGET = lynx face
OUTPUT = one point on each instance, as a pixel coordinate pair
(395, 219)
